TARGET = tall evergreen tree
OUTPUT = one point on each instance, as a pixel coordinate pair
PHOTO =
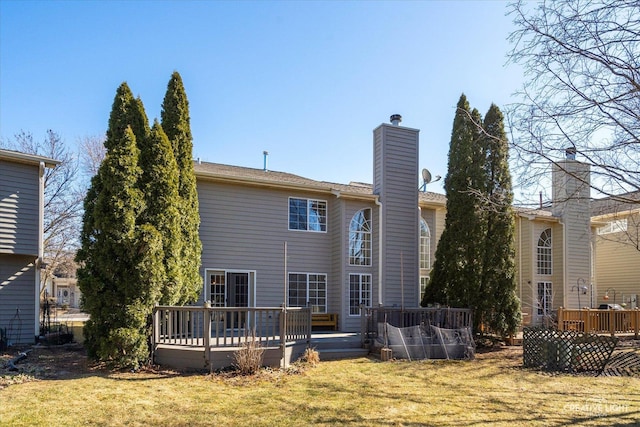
(501, 308)
(175, 123)
(457, 272)
(159, 184)
(121, 267)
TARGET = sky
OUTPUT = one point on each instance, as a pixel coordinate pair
(307, 81)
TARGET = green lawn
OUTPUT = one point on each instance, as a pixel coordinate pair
(491, 390)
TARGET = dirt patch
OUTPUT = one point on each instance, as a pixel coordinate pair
(43, 363)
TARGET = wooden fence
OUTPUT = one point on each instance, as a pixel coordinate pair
(614, 322)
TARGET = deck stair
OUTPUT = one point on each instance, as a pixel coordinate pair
(338, 345)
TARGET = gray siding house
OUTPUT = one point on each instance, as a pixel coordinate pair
(21, 219)
(345, 245)
(356, 244)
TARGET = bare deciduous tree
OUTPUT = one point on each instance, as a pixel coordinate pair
(91, 151)
(62, 201)
(582, 64)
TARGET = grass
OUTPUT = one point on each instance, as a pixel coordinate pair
(364, 392)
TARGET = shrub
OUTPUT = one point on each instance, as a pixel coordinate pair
(310, 356)
(248, 359)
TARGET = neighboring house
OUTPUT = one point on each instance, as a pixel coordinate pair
(62, 289)
(618, 249)
(21, 247)
(554, 246)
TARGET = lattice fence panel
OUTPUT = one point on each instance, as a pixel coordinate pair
(570, 351)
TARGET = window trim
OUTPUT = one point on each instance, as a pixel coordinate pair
(544, 253)
(361, 292)
(309, 201)
(307, 291)
(366, 238)
(425, 249)
(422, 289)
(544, 302)
(615, 226)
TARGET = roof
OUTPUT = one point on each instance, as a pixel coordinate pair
(275, 179)
(616, 204)
(533, 213)
(31, 159)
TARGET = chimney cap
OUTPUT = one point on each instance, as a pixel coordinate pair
(570, 153)
(395, 119)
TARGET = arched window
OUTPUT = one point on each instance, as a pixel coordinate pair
(544, 253)
(425, 245)
(360, 238)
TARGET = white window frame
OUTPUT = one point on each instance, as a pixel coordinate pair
(363, 292)
(425, 245)
(313, 291)
(544, 253)
(615, 226)
(544, 298)
(424, 280)
(360, 237)
(321, 212)
(222, 300)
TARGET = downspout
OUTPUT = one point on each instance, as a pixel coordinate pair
(565, 275)
(377, 201)
(520, 259)
(38, 262)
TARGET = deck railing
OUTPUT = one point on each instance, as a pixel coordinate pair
(443, 317)
(614, 322)
(229, 326)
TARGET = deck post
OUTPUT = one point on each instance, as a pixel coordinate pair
(283, 336)
(363, 324)
(612, 322)
(560, 319)
(636, 321)
(206, 338)
(156, 330)
(309, 316)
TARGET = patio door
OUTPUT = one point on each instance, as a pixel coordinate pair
(231, 289)
(238, 291)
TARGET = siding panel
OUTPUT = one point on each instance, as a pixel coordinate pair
(18, 297)
(19, 208)
(244, 228)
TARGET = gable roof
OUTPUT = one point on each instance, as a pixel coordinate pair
(283, 180)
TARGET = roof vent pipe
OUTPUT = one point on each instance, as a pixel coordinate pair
(395, 119)
(266, 156)
(570, 153)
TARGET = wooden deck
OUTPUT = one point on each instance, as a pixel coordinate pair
(208, 337)
(613, 322)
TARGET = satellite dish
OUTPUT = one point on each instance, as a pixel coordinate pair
(426, 176)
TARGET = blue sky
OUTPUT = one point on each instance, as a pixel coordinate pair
(306, 81)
